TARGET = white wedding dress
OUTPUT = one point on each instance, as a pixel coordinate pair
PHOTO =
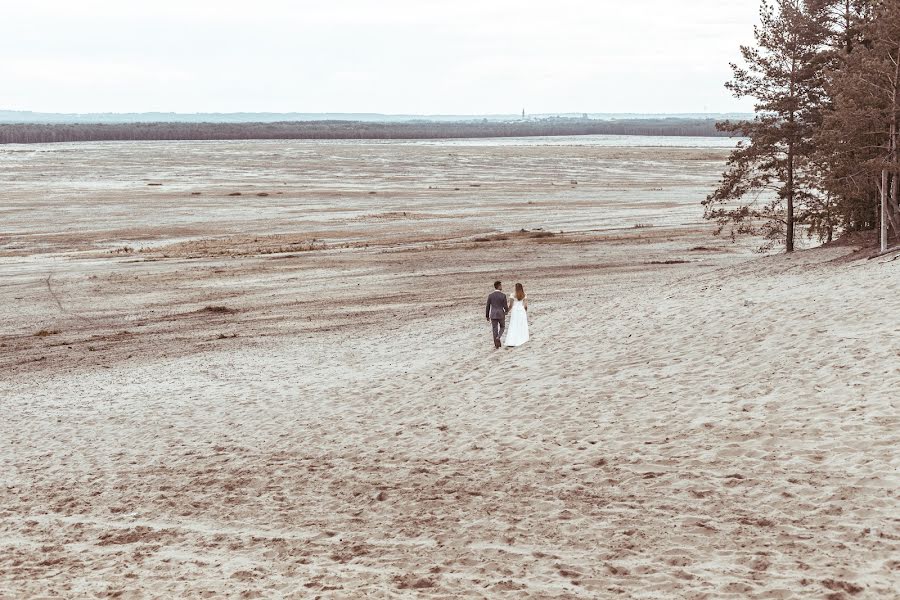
(517, 331)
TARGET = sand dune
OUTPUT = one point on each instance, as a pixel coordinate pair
(721, 427)
(730, 435)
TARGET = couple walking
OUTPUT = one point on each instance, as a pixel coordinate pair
(498, 305)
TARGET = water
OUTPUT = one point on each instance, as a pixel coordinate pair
(605, 141)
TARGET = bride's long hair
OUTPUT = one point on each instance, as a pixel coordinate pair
(520, 292)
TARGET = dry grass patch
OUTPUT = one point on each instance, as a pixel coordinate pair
(218, 310)
(47, 332)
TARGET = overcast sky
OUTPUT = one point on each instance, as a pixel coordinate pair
(386, 56)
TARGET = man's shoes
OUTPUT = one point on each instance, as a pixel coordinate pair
(496, 343)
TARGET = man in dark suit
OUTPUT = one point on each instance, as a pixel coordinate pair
(497, 307)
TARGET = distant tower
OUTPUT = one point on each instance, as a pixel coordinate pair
(523, 113)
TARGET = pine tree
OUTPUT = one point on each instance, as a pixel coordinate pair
(840, 151)
(859, 141)
(769, 177)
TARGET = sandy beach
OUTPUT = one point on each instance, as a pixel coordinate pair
(262, 370)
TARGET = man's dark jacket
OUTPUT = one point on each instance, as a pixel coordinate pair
(496, 306)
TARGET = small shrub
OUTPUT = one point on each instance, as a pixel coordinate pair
(224, 310)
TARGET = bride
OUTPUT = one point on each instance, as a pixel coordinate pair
(517, 333)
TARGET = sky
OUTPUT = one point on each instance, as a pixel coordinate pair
(454, 57)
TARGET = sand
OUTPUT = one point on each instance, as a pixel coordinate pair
(298, 396)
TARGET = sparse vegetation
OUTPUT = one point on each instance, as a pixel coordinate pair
(220, 310)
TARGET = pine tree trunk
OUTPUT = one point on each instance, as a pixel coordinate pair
(848, 34)
(894, 186)
(884, 209)
(789, 245)
(893, 149)
(789, 195)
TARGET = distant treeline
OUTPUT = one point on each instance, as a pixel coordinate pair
(32, 133)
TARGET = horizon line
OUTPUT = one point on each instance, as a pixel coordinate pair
(375, 113)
